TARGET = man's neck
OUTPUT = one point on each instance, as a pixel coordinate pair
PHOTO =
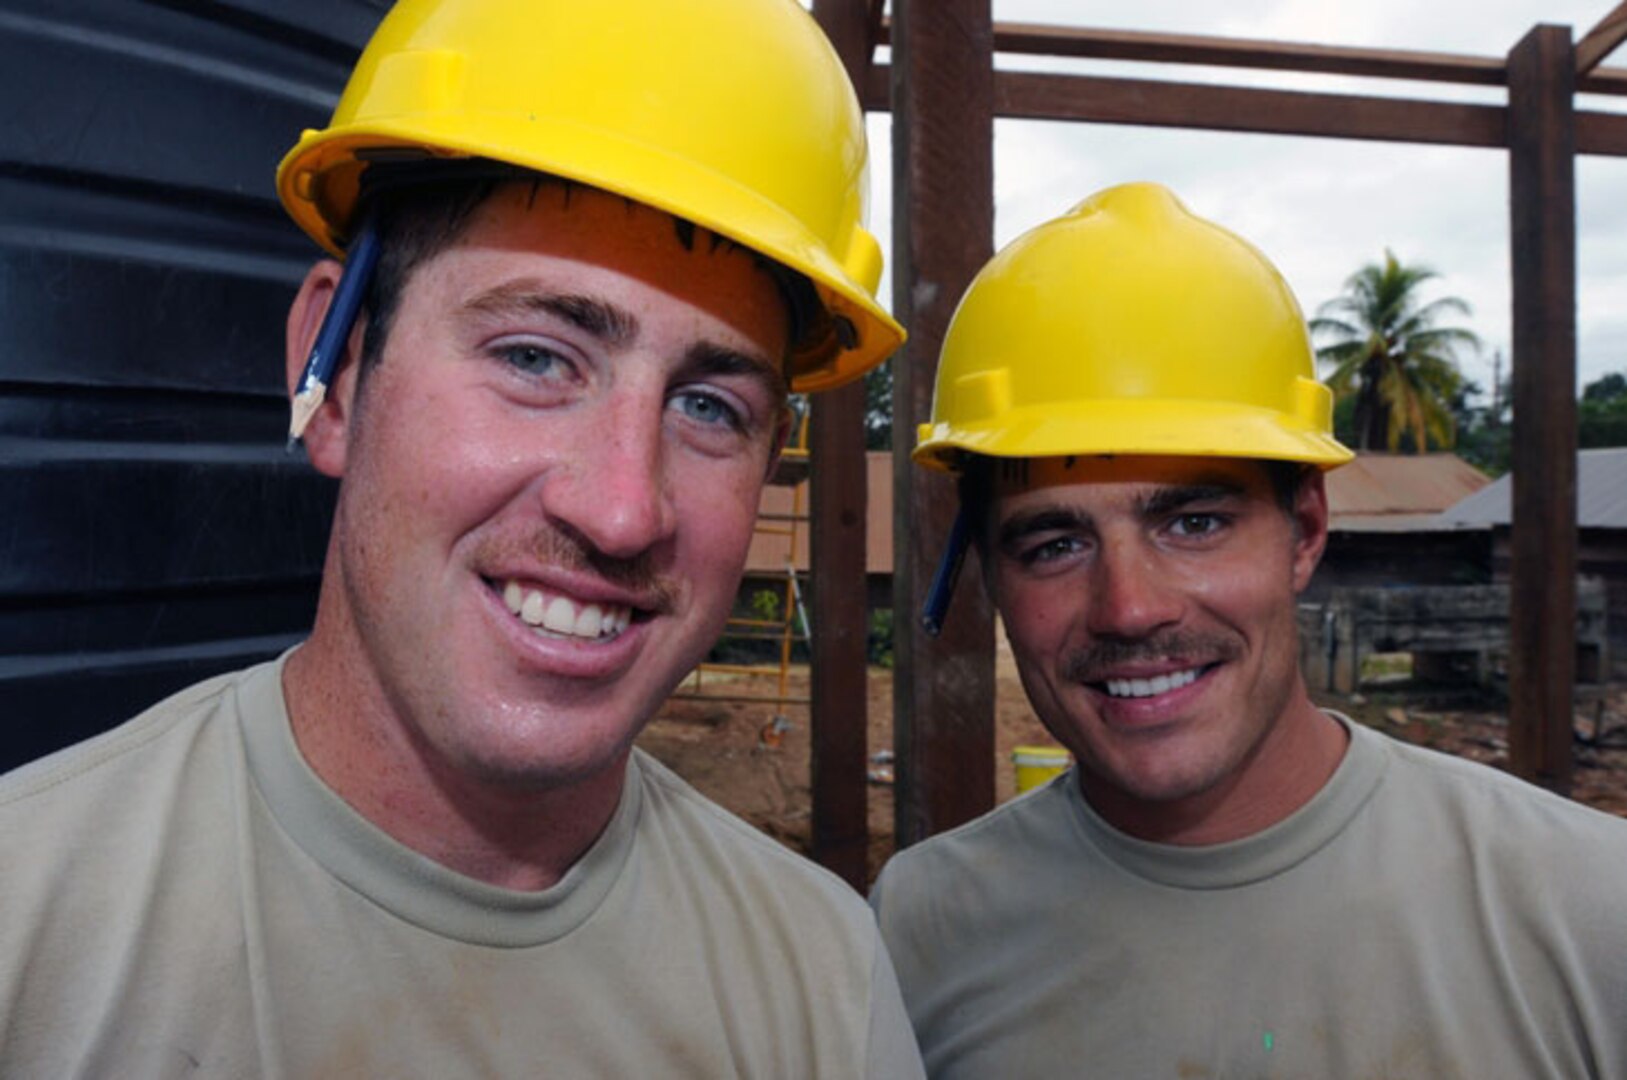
(1284, 771)
(504, 835)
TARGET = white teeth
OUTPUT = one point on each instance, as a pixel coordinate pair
(559, 615)
(588, 623)
(1158, 684)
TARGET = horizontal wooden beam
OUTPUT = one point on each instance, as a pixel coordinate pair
(1034, 39)
(1200, 106)
(1230, 108)
(1602, 40)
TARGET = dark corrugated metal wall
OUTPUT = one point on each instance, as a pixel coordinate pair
(152, 527)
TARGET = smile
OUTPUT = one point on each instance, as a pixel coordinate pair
(555, 615)
(1158, 684)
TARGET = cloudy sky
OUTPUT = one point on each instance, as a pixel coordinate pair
(1323, 207)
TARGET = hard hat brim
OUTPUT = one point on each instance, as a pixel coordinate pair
(1148, 427)
(319, 182)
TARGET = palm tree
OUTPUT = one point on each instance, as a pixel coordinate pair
(1387, 351)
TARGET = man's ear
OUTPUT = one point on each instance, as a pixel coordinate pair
(326, 435)
(1310, 525)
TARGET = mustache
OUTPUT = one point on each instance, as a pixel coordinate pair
(1103, 657)
(553, 547)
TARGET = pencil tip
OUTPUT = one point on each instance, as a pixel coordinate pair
(305, 404)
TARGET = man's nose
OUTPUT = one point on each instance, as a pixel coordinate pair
(617, 493)
(1132, 594)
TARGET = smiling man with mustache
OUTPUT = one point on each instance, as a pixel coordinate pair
(1230, 881)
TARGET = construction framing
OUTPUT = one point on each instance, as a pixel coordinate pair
(944, 92)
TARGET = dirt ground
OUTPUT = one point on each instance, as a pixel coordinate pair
(720, 747)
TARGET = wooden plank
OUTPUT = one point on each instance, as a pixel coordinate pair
(1032, 39)
(1601, 133)
(1229, 108)
(1213, 51)
(1153, 103)
(1602, 40)
(838, 712)
(1542, 603)
(874, 31)
(943, 221)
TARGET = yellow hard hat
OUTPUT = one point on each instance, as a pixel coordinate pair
(735, 115)
(1129, 326)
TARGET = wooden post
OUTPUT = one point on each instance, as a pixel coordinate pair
(1542, 603)
(838, 679)
(943, 228)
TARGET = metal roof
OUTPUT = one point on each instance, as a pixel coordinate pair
(1601, 495)
(1380, 492)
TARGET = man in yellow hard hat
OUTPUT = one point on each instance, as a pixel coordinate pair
(1230, 881)
(588, 250)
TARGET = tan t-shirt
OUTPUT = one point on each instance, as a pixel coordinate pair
(183, 895)
(1422, 917)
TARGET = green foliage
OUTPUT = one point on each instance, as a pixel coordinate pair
(765, 604)
(1612, 387)
(878, 407)
(1601, 415)
(879, 642)
(1484, 436)
(1389, 356)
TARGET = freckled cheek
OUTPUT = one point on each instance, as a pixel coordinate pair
(467, 475)
(716, 511)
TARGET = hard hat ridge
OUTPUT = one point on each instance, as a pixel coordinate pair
(1129, 326)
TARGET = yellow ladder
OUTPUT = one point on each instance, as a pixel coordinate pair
(787, 623)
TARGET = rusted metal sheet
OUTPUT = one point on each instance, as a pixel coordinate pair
(943, 220)
(1542, 606)
(1410, 489)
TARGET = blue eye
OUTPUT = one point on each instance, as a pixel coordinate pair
(708, 409)
(530, 358)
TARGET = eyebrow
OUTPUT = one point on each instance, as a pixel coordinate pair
(611, 324)
(709, 358)
(1169, 499)
(1158, 503)
(1041, 519)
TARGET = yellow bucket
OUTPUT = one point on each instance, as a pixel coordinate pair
(1037, 764)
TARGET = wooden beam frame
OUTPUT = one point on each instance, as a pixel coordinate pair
(1030, 39)
(943, 220)
(1202, 106)
(1602, 40)
(839, 688)
(1542, 595)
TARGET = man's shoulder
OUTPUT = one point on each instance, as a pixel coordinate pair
(1017, 829)
(683, 819)
(1480, 796)
(128, 756)
(1036, 834)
